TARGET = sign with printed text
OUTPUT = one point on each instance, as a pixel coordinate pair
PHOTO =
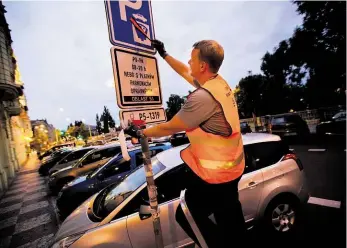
(136, 79)
(150, 116)
(122, 32)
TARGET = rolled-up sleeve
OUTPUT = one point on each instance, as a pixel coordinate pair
(199, 107)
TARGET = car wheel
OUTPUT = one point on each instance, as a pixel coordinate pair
(282, 216)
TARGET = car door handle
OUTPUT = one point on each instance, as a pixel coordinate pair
(252, 184)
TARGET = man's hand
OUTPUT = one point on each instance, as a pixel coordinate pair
(133, 131)
(159, 46)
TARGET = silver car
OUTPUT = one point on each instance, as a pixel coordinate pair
(271, 190)
(71, 159)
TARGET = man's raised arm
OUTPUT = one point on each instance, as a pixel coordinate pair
(175, 64)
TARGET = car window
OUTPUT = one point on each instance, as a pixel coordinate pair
(279, 120)
(264, 154)
(169, 186)
(118, 193)
(117, 167)
(101, 154)
(139, 156)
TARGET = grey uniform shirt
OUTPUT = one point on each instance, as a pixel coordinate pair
(201, 109)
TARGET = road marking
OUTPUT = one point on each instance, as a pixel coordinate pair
(8, 222)
(12, 198)
(36, 183)
(317, 150)
(324, 202)
(34, 196)
(14, 191)
(32, 207)
(10, 208)
(32, 223)
(38, 188)
(39, 243)
(5, 242)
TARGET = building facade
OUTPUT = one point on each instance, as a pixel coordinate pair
(13, 109)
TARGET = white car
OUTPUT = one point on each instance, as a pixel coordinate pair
(271, 189)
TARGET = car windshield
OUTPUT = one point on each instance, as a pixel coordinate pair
(278, 120)
(93, 174)
(83, 158)
(113, 196)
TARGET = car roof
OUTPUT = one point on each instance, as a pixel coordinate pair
(136, 148)
(106, 146)
(171, 158)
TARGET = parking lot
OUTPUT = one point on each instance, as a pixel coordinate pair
(28, 217)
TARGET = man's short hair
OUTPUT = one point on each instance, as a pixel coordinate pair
(210, 52)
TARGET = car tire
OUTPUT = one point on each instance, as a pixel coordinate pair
(282, 216)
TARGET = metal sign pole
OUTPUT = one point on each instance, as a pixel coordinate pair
(152, 192)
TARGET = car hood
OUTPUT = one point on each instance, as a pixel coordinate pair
(64, 169)
(78, 180)
(76, 222)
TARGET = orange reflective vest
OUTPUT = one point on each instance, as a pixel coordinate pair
(215, 158)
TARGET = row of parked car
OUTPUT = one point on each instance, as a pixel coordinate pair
(104, 201)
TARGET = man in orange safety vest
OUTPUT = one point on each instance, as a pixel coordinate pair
(215, 156)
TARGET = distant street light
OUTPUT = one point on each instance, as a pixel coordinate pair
(61, 109)
(67, 119)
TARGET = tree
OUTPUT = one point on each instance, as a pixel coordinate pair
(313, 60)
(98, 124)
(174, 104)
(107, 121)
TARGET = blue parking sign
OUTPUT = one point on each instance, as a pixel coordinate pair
(122, 32)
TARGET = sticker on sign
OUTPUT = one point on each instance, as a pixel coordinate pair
(136, 79)
(155, 115)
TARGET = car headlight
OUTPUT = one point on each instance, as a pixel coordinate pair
(66, 242)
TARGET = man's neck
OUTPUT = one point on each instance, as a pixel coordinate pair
(204, 78)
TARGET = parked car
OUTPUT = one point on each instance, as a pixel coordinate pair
(70, 159)
(335, 126)
(55, 148)
(289, 124)
(161, 139)
(55, 157)
(271, 190)
(80, 189)
(179, 138)
(89, 162)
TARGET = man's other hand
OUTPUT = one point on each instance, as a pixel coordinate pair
(159, 46)
(133, 131)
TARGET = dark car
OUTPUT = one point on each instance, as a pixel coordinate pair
(80, 189)
(91, 161)
(53, 149)
(290, 124)
(179, 138)
(335, 126)
(54, 158)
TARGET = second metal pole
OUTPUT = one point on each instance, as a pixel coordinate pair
(152, 192)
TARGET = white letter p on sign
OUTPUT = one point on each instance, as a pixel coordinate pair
(134, 5)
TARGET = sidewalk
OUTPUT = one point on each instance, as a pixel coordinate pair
(31, 165)
(27, 216)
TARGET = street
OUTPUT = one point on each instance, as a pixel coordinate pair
(28, 217)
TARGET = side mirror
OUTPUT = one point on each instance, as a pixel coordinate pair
(100, 177)
(145, 212)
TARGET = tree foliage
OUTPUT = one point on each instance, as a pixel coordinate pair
(174, 104)
(308, 70)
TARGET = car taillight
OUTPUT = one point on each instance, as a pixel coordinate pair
(294, 157)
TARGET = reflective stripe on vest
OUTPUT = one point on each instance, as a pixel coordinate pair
(214, 158)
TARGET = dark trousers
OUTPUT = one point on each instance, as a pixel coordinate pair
(221, 201)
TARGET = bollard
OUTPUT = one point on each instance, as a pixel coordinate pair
(152, 192)
(191, 221)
